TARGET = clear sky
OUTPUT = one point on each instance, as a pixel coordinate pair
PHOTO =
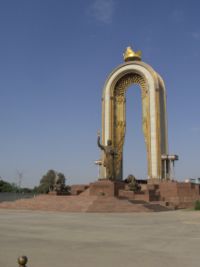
(55, 56)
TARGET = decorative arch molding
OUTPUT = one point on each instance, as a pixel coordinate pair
(153, 109)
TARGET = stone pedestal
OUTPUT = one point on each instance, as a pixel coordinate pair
(106, 188)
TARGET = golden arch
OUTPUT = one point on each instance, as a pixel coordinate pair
(154, 119)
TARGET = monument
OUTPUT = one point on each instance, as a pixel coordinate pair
(154, 119)
(160, 184)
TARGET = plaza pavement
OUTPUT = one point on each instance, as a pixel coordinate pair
(55, 239)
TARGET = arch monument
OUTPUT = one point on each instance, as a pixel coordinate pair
(154, 118)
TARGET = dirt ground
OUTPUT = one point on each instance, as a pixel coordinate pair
(54, 239)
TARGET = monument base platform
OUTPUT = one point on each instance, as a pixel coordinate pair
(173, 193)
(115, 196)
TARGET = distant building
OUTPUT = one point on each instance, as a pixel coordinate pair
(193, 180)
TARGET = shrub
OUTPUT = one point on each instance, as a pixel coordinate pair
(197, 205)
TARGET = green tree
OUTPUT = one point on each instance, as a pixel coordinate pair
(8, 187)
(49, 180)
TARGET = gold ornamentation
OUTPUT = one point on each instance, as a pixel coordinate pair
(120, 99)
(130, 55)
(119, 126)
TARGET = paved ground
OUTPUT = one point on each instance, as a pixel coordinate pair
(53, 239)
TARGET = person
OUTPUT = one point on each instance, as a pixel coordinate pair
(108, 157)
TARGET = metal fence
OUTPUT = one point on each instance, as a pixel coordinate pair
(15, 196)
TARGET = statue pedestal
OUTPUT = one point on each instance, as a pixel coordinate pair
(105, 187)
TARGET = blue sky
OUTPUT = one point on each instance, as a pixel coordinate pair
(54, 59)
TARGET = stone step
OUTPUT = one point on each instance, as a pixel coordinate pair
(85, 193)
(112, 204)
(81, 203)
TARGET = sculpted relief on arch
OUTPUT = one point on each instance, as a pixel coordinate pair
(118, 127)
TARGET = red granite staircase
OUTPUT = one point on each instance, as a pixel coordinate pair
(82, 203)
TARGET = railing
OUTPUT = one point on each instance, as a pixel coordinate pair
(22, 261)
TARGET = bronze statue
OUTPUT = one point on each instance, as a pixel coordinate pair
(133, 183)
(108, 157)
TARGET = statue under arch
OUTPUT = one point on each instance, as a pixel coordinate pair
(154, 118)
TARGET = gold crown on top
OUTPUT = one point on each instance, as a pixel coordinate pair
(130, 55)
